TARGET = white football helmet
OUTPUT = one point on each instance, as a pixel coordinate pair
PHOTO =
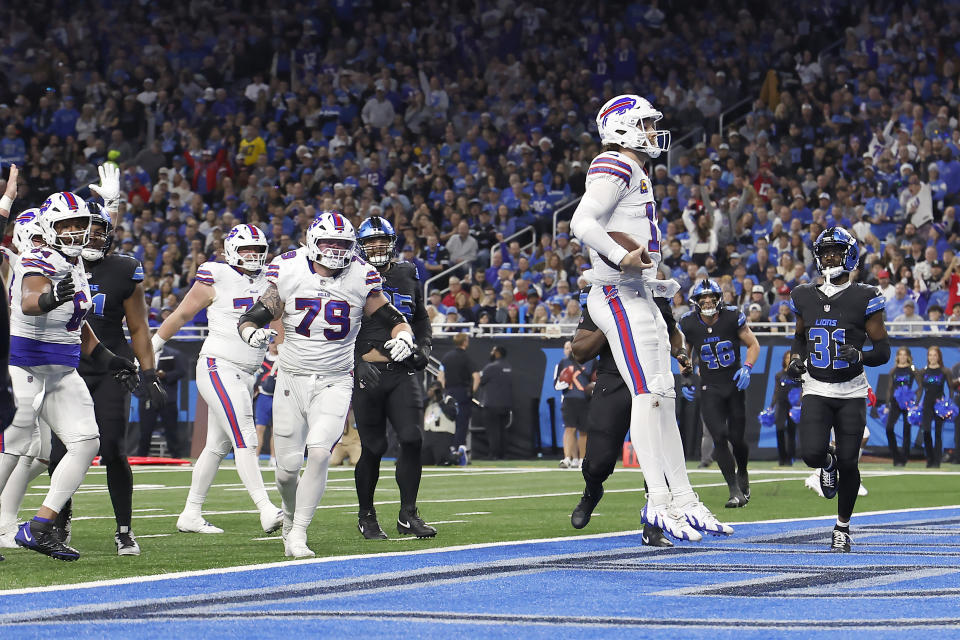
(61, 207)
(630, 121)
(245, 236)
(331, 240)
(26, 228)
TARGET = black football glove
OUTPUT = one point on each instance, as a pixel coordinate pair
(419, 359)
(686, 367)
(124, 371)
(58, 295)
(155, 396)
(367, 374)
(796, 368)
(849, 353)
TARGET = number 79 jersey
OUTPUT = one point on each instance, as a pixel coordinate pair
(54, 337)
(830, 321)
(321, 315)
(716, 346)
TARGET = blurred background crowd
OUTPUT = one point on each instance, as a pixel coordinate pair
(468, 125)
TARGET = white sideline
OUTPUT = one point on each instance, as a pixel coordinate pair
(465, 547)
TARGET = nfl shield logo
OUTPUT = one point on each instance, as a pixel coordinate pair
(286, 392)
(826, 308)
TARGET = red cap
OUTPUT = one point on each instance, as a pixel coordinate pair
(784, 290)
(883, 273)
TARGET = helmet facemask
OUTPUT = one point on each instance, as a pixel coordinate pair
(334, 253)
(710, 297)
(250, 257)
(830, 258)
(96, 246)
(71, 242)
(378, 249)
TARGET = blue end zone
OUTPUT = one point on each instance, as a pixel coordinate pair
(774, 579)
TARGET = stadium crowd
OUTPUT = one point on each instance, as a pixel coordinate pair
(465, 123)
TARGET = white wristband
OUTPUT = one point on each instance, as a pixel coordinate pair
(157, 342)
(6, 203)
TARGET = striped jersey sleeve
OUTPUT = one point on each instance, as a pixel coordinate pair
(610, 166)
(273, 271)
(875, 304)
(31, 263)
(373, 281)
(205, 274)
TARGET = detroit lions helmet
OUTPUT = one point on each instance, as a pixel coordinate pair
(377, 240)
(62, 207)
(26, 229)
(331, 240)
(833, 239)
(101, 234)
(707, 288)
(245, 236)
(630, 121)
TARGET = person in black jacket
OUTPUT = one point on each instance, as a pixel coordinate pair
(935, 381)
(171, 369)
(494, 389)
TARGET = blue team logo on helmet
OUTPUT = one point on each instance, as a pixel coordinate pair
(369, 233)
(832, 238)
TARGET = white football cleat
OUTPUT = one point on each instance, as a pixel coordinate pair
(271, 519)
(862, 491)
(671, 521)
(6, 536)
(702, 519)
(194, 523)
(813, 483)
(295, 545)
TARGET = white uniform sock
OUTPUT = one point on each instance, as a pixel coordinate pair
(671, 452)
(312, 486)
(11, 499)
(287, 482)
(646, 439)
(204, 471)
(248, 468)
(8, 462)
(70, 473)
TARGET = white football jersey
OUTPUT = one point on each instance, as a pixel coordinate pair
(235, 293)
(321, 316)
(635, 213)
(51, 338)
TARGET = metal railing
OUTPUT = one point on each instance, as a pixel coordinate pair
(674, 145)
(915, 329)
(569, 206)
(446, 273)
(528, 229)
(726, 112)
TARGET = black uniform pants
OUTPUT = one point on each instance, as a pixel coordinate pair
(786, 434)
(608, 421)
(463, 397)
(724, 414)
(932, 427)
(111, 406)
(848, 418)
(899, 455)
(495, 421)
(397, 398)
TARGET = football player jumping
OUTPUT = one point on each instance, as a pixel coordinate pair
(619, 198)
(226, 373)
(834, 319)
(320, 292)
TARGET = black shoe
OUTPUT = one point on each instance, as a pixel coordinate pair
(654, 537)
(127, 544)
(743, 481)
(409, 523)
(369, 527)
(830, 479)
(584, 509)
(841, 541)
(704, 464)
(42, 540)
(737, 500)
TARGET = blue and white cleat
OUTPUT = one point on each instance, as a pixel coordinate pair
(702, 519)
(43, 540)
(670, 520)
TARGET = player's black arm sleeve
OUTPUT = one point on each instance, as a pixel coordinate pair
(389, 315)
(878, 355)
(422, 328)
(258, 314)
(667, 312)
(799, 346)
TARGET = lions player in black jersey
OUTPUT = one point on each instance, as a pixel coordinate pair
(834, 320)
(390, 390)
(609, 413)
(714, 334)
(116, 286)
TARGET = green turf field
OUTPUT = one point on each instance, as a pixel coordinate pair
(484, 502)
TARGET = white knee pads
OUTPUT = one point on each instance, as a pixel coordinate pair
(289, 462)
